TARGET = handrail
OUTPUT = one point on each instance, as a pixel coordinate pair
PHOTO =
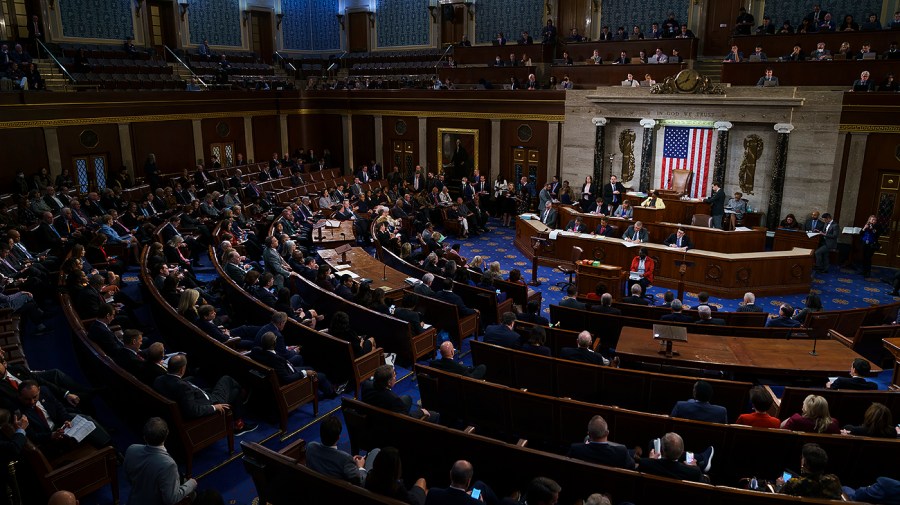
(339, 61)
(285, 63)
(58, 64)
(183, 64)
(438, 62)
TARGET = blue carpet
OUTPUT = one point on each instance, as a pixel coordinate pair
(838, 289)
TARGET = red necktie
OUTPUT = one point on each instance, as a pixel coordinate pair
(40, 413)
(14, 384)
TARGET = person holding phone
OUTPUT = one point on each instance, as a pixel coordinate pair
(812, 482)
(458, 493)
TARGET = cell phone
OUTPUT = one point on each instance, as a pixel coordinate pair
(476, 493)
(786, 476)
(689, 457)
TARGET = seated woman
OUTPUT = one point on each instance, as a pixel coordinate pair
(760, 417)
(738, 207)
(624, 211)
(295, 307)
(654, 201)
(814, 418)
(566, 194)
(532, 314)
(789, 223)
(96, 253)
(188, 303)
(386, 479)
(477, 264)
(813, 304)
(535, 342)
(877, 422)
(494, 270)
(340, 328)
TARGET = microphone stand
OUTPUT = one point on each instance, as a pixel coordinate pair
(384, 274)
(815, 341)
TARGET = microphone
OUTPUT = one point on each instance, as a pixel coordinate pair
(384, 273)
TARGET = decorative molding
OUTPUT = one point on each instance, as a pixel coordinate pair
(784, 127)
(696, 123)
(599, 121)
(722, 125)
(648, 123)
(868, 128)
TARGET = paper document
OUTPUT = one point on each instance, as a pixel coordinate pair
(412, 281)
(81, 427)
(425, 326)
(634, 276)
(341, 267)
(812, 234)
(630, 244)
(529, 215)
(554, 234)
(351, 274)
(742, 228)
(332, 224)
(850, 230)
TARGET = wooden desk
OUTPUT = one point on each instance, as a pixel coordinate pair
(779, 45)
(785, 240)
(747, 356)
(893, 345)
(482, 55)
(720, 274)
(498, 76)
(366, 266)
(589, 276)
(707, 239)
(808, 73)
(609, 50)
(335, 236)
(592, 76)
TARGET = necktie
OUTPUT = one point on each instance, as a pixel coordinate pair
(40, 413)
(678, 243)
(13, 383)
(55, 232)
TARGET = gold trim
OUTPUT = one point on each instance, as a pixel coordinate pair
(49, 123)
(869, 128)
(686, 122)
(442, 132)
(463, 115)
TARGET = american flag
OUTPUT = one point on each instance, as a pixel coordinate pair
(686, 148)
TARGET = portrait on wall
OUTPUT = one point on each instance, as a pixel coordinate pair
(457, 152)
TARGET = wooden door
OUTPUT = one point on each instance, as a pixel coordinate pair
(404, 154)
(453, 23)
(261, 35)
(224, 151)
(161, 26)
(572, 14)
(719, 25)
(887, 211)
(358, 32)
(525, 162)
(90, 172)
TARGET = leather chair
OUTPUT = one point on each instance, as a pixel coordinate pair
(570, 270)
(704, 220)
(681, 183)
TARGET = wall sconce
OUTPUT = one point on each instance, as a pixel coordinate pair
(340, 18)
(246, 16)
(431, 9)
(278, 18)
(371, 16)
(184, 7)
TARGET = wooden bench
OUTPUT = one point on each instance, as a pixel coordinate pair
(137, 402)
(508, 466)
(446, 316)
(519, 293)
(749, 319)
(556, 422)
(81, 471)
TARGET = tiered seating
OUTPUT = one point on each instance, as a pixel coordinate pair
(393, 63)
(110, 67)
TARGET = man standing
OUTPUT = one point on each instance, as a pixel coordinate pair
(716, 203)
(612, 192)
(152, 473)
(829, 233)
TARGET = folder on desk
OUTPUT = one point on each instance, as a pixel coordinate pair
(667, 332)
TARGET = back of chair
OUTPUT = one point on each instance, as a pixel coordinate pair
(701, 220)
(576, 254)
(681, 181)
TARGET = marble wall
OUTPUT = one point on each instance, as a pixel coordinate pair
(812, 153)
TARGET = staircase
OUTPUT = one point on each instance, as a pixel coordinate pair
(710, 68)
(181, 72)
(53, 77)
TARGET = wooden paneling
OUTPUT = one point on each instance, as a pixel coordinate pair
(509, 139)
(363, 141)
(591, 76)
(498, 76)
(266, 137)
(780, 45)
(396, 131)
(484, 55)
(808, 73)
(318, 132)
(610, 50)
(108, 144)
(227, 129)
(30, 156)
(719, 25)
(171, 141)
(358, 32)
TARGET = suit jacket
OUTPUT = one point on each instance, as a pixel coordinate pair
(677, 317)
(605, 232)
(412, 317)
(782, 322)
(211, 329)
(581, 228)
(332, 462)
(814, 225)
(154, 477)
(549, 217)
(452, 366)
(671, 469)
(422, 289)
(383, 398)
(831, 230)
(641, 235)
(716, 203)
(104, 337)
(499, 334)
(611, 198)
(46, 237)
(280, 348)
(673, 239)
(192, 401)
(749, 308)
(635, 300)
(450, 496)
(700, 411)
(604, 453)
(451, 297)
(283, 369)
(582, 355)
(38, 430)
(609, 310)
(712, 320)
(572, 303)
(853, 383)
(235, 272)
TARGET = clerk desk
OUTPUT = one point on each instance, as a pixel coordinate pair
(720, 274)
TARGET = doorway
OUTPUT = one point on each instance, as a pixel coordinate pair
(887, 211)
(453, 23)
(261, 38)
(161, 27)
(358, 32)
(719, 25)
(90, 172)
(224, 151)
(403, 155)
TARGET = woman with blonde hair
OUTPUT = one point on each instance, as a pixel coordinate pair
(476, 264)
(187, 304)
(814, 417)
(494, 271)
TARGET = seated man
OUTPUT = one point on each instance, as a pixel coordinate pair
(597, 448)
(448, 364)
(703, 299)
(677, 316)
(706, 316)
(502, 334)
(784, 319)
(679, 239)
(636, 233)
(447, 295)
(570, 300)
(698, 408)
(195, 402)
(604, 229)
(576, 226)
(858, 369)
(749, 304)
(265, 354)
(325, 457)
(606, 307)
(666, 463)
(583, 353)
(635, 297)
(378, 392)
(48, 419)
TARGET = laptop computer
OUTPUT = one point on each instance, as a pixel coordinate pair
(754, 58)
(559, 61)
(769, 84)
(636, 60)
(869, 56)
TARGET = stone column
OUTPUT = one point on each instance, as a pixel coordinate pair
(599, 148)
(495, 150)
(721, 151)
(647, 155)
(249, 153)
(199, 148)
(423, 146)
(125, 147)
(552, 149)
(776, 190)
(51, 138)
(347, 127)
(283, 130)
(379, 140)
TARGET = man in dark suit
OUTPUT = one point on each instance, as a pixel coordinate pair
(829, 232)
(856, 382)
(46, 236)
(424, 288)
(265, 354)
(676, 316)
(100, 333)
(379, 393)
(613, 192)
(583, 352)
(569, 300)
(325, 457)
(666, 463)
(276, 326)
(447, 295)
(448, 364)
(716, 202)
(575, 225)
(458, 493)
(48, 419)
(636, 233)
(703, 299)
(749, 304)
(64, 388)
(706, 316)
(604, 229)
(195, 402)
(814, 223)
(502, 334)
(598, 449)
(679, 239)
(784, 319)
(548, 215)
(407, 312)
(605, 306)
(635, 296)
(698, 408)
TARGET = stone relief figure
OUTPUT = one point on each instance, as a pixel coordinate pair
(626, 146)
(753, 148)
